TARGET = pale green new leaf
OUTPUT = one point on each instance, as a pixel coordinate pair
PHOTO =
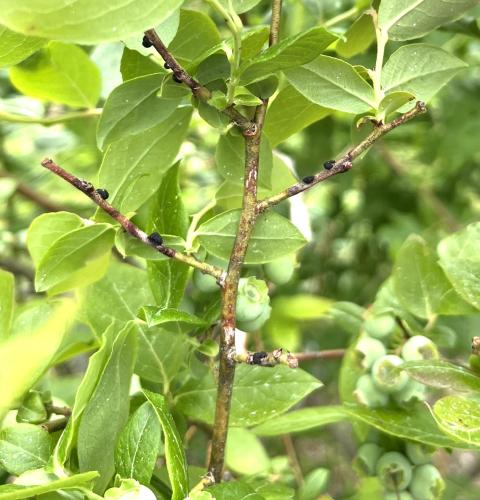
(332, 83)
(174, 452)
(278, 389)
(85, 21)
(273, 236)
(245, 453)
(60, 73)
(460, 418)
(240, 6)
(106, 412)
(138, 444)
(419, 69)
(133, 107)
(357, 38)
(393, 101)
(289, 113)
(14, 47)
(7, 302)
(24, 447)
(407, 19)
(132, 168)
(158, 316)
(290, 52)
(460, 259)
(26, 356)
(17, 491)
(421, 285)
(78, 258)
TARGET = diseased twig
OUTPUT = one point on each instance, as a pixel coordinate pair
(345, 162)
(55, 425)
(326, 354)
(246, 224)
(88, 189)
(198, 90)
(262, 358)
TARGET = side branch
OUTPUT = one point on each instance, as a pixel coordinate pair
(88, 189)
(345, 162)
(198, 90)
(262, 358)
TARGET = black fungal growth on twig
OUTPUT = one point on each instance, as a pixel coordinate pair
(309, 179)
(166, 65)
(156, 239)
(328, 165)
(146, 42)
(176, 79)
(103, 194)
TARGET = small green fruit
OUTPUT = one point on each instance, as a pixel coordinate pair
(474, 362)
(419, 453)
(371, 350)
(412, 393)
(366, 393)
(387, 375)
(427, 482)
(380, 326)
(418, 348)
(280, 271)
(252, 298)
(367, 458)
(257, 323)
(394, 471)
(204, 282)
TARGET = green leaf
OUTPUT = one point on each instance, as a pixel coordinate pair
(230, 159)
(419, 69)
(334, 84)
(460, 260)
(460, 418)
(28, 355)
(132, 168)
(138, 444)
(253, 42)
(442, 374)
(76, 259)
(85, 21)
(289, 113)
(135, 65)
(245, 453)
(273, 236)
(393, 101)
(196, 34)
(158, 316)
(60, 73)
(14, 47)
(234, 490)
(302, 306)
(420, 284)
(106, 412)
(17, 491)
(240, 6)
(290, 52)
(7, 302)
(359, 36)
(407, 19)
(301, 420)
(129, 246)
(258, 394)
(174, 452)
(95, 368)
(24, 447)
(132, 108)
(168, 216)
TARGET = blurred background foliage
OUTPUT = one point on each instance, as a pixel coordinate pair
(424, 178)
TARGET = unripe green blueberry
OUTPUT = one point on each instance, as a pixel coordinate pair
(427, 483)
(366, 393)
(412, 393)
(394, 471)
(204, 282)
(380, 326)
(371, 350)
(280, 271)
(257, 323)
(474, 362)
(387, 375)
(402, 495)
(252, 298)
(419, 347)
(419, 453)
(367, 458)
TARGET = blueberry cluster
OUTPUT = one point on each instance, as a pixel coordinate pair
(253, 304)
(406, 474)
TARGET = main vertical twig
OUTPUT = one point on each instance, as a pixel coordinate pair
(248, 215)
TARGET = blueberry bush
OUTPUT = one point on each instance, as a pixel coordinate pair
(184, 311)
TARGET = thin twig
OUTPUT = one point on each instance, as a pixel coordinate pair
(293, 458)
(88, 189)
(262, 358)
(198, 90)
(55, 425)
(326, 354)
(275, 23)
(345, 162)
